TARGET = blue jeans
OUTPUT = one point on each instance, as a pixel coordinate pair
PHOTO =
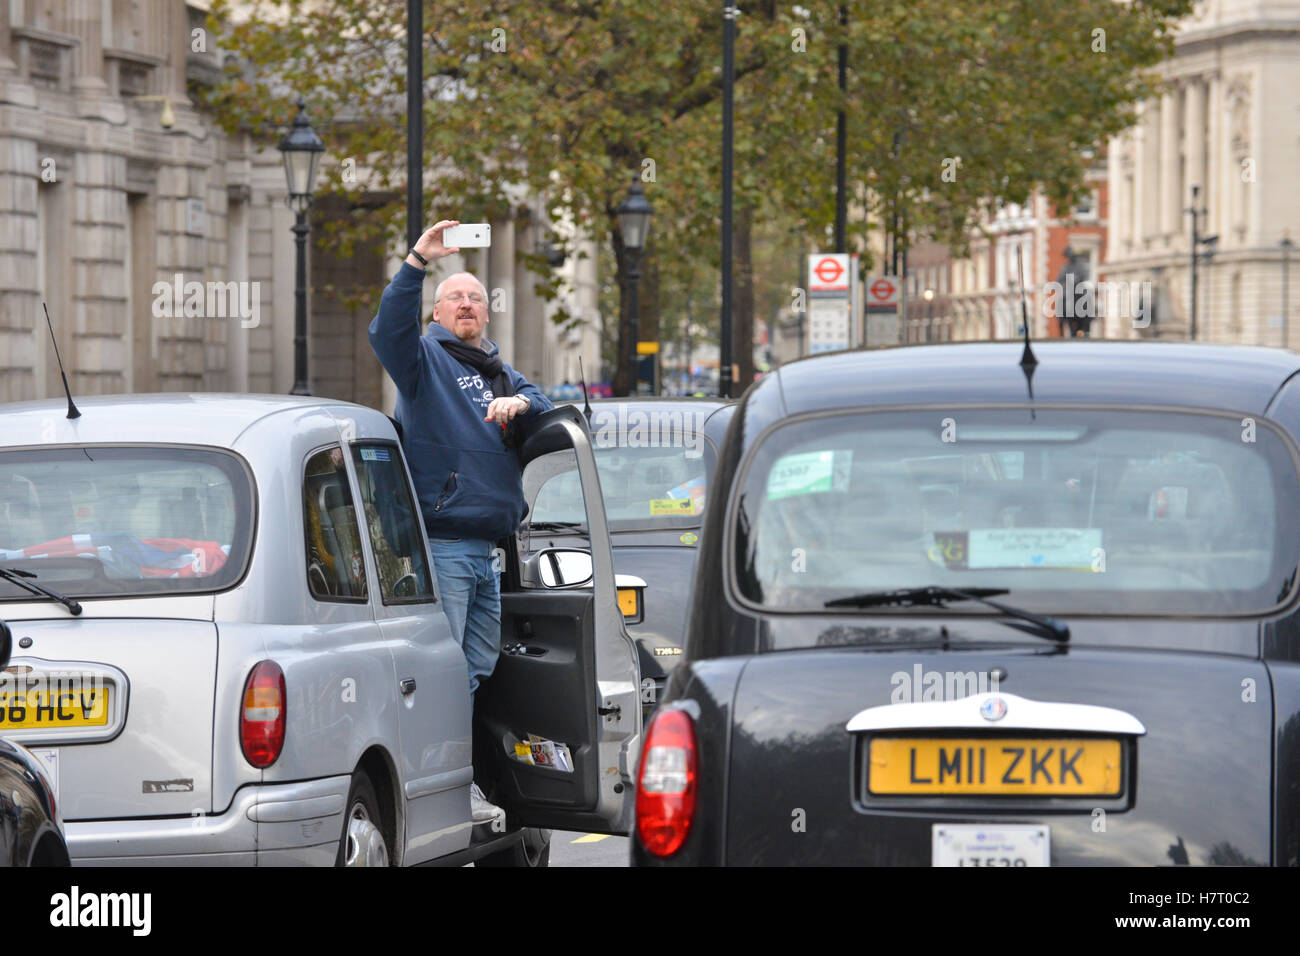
(470, 589)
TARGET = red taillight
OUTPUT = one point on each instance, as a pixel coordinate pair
(261, 718)
(665, 783)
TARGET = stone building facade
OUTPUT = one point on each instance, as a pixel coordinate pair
(1228, 123)
(113, 185)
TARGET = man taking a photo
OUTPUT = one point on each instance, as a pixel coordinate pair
(457, 403)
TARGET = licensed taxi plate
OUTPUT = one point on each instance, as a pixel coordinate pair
(1043, 766)
(990, 845)
(56, 707)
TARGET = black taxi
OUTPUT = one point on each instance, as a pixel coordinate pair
(982, 605)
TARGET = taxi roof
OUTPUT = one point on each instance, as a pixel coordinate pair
(206, 418)
(1186, 374)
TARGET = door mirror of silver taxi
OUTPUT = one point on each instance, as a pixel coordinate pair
(565, 567)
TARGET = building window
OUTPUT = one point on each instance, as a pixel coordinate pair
(1086, 210)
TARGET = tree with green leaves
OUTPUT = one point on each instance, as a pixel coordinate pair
(950, 107)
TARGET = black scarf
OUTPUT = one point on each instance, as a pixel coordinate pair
(491, 368)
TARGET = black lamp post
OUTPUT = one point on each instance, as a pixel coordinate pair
(634, 223)
(1198, 241)
(302, 149)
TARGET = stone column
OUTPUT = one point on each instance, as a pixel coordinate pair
(237, 230)
(84, 21)
(99, 275)
(529, 315)
(1194, 133)
(1171, 204)
(178, 51)
(20, 304)
(500, 280)
(1214, 158)
(1142, 181)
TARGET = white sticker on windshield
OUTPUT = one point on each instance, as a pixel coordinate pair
(809, 473)
(1033, 548)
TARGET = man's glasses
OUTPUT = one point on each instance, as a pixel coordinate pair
(458, 297)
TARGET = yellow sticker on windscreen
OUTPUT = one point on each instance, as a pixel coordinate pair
(671, 506)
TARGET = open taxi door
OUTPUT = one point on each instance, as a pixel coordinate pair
(558, 724)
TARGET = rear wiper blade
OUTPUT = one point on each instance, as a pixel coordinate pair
(23, 579)
(935, 596)
(577, 526)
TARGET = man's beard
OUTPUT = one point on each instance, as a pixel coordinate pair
(462, 332)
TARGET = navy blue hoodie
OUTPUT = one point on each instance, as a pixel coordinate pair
(468, 482)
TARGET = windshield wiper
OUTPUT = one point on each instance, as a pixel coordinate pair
(16, 578)
(935, 596)
(575, 526)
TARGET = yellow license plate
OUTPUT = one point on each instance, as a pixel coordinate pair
(54, 707)
(628, 602)
(1047, 767)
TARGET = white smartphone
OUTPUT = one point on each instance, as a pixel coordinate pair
(468, 235)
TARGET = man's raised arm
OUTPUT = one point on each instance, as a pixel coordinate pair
(395, 331)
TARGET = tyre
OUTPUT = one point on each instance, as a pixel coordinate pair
(363, 841)
(532, 851)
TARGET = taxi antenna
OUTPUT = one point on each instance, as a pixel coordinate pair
(1028, 361)
(586, 402)
(72, 408)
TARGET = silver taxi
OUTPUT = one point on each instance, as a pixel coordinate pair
(229, 649)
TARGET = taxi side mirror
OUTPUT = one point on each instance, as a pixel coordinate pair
(565, 567)
(6, 644)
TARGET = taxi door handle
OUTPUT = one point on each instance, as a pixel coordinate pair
(408, 686)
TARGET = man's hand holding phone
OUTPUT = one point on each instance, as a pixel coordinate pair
(430, 244)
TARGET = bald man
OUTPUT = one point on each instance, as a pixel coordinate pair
(459, 407)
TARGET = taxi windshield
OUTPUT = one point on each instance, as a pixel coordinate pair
(643, 488)
(1096, 511)
(114, 522)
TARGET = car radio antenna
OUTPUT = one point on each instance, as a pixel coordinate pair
(1028, 361)
(586, 402)
(72, 408)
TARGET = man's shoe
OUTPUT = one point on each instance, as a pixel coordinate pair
(480, 809)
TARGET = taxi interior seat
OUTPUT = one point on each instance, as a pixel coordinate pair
(342, 534)
(182, 516)
(1188, 537)
(20, 523)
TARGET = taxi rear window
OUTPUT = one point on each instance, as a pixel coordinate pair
(1091, 511)
(120, 521)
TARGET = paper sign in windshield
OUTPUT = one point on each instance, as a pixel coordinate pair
(1033, 548)
(671, 506)
(809, 473)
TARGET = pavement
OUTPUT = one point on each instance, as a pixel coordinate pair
(587, 849)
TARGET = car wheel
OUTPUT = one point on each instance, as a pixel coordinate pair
(533, 850)
(363, 842)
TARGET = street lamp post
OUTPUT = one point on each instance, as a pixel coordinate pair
(928, 295)
(1286, 262)
(302, 149)
(1197, 242)
(634, 223)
